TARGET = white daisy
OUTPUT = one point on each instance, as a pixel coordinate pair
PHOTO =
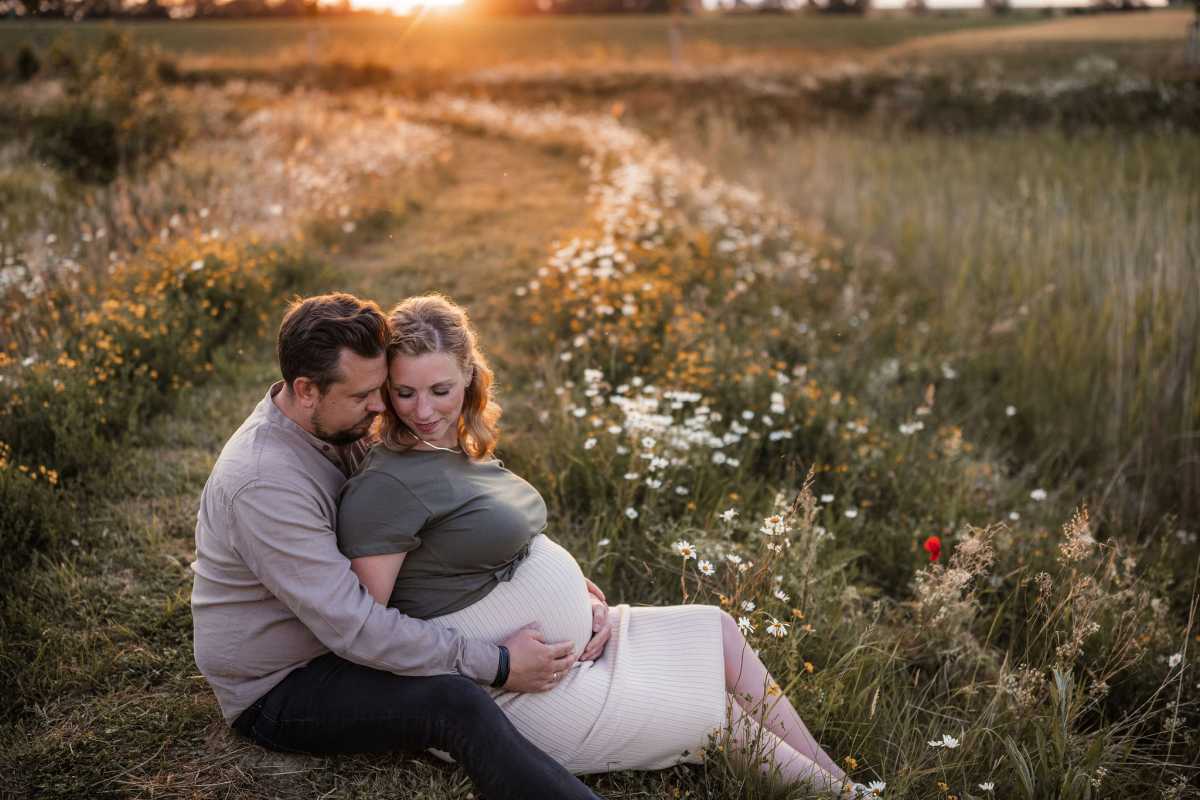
(684, 549)
(947, 741)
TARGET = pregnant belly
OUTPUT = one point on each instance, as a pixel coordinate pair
(547, 588)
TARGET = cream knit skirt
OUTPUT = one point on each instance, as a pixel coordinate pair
(650, 701)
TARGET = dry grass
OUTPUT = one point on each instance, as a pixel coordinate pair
(1062, 267)
(1156, 26)
(462, 44)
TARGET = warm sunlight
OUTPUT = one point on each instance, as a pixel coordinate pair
(405, 6)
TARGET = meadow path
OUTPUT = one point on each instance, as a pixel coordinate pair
(489, 226)
(119, 707)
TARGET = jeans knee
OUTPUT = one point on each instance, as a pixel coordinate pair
(463, 704)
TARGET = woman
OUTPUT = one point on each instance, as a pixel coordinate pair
(436, 526)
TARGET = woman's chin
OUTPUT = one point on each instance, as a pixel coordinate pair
(437, 437)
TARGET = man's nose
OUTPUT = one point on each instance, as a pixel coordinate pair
(375, 403)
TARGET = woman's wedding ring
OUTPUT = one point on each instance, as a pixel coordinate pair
(556, 676)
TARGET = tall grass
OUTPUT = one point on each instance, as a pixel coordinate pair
(1059, 272)
(695, 348)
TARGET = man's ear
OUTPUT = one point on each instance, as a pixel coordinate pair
(306, 392)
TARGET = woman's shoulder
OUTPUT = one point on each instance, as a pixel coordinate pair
(385, 479)
(420, 471)
(383, 460)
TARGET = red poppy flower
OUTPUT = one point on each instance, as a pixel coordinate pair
(933, 546)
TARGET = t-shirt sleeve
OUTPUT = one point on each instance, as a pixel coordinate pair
(378, 515)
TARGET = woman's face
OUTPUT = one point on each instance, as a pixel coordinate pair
(427, 393)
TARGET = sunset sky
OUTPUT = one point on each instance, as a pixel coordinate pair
(407, 6)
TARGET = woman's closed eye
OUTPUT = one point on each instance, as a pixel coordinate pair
(405, 394)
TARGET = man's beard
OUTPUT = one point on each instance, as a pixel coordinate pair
(344, 436)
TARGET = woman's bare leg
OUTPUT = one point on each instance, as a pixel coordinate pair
(747, 679)
(773, 755)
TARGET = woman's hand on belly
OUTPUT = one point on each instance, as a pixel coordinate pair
(601, 625)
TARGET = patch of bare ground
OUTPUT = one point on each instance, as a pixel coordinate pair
(103, 696)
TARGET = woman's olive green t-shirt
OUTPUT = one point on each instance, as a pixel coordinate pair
(465, 524)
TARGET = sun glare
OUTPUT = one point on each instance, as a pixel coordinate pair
(405, 6)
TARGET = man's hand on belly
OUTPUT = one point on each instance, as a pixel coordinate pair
(533, 665)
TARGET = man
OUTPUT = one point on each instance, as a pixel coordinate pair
(299, 655)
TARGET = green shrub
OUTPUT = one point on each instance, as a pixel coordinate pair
(116, 357)
(150, 332)
(114, 117)
(27, 63)
(34, 514)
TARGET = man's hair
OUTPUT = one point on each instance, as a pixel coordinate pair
(316, 329)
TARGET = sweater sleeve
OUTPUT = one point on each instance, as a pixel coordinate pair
(286, 541)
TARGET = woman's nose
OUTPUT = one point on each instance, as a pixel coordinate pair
(424, 407)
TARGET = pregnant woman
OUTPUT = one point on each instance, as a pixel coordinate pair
(437, 527)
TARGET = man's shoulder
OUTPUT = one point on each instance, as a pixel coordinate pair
(260, 450)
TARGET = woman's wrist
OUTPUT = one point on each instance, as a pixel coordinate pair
(501, 669)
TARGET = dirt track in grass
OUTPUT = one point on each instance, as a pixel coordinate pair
(98, 646)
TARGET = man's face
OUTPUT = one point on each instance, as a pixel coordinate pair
(348, 407)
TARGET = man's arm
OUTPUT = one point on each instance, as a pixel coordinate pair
(286, 541)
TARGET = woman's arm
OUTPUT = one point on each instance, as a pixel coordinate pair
(378, 574)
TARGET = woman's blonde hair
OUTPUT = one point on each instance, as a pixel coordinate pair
(434, 324)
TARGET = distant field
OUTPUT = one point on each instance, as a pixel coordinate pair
(1147, 43)
(455, 42)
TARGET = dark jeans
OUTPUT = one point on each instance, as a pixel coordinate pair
(335, 706)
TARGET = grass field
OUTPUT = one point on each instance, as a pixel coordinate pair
(457, 43)
(980, 342)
